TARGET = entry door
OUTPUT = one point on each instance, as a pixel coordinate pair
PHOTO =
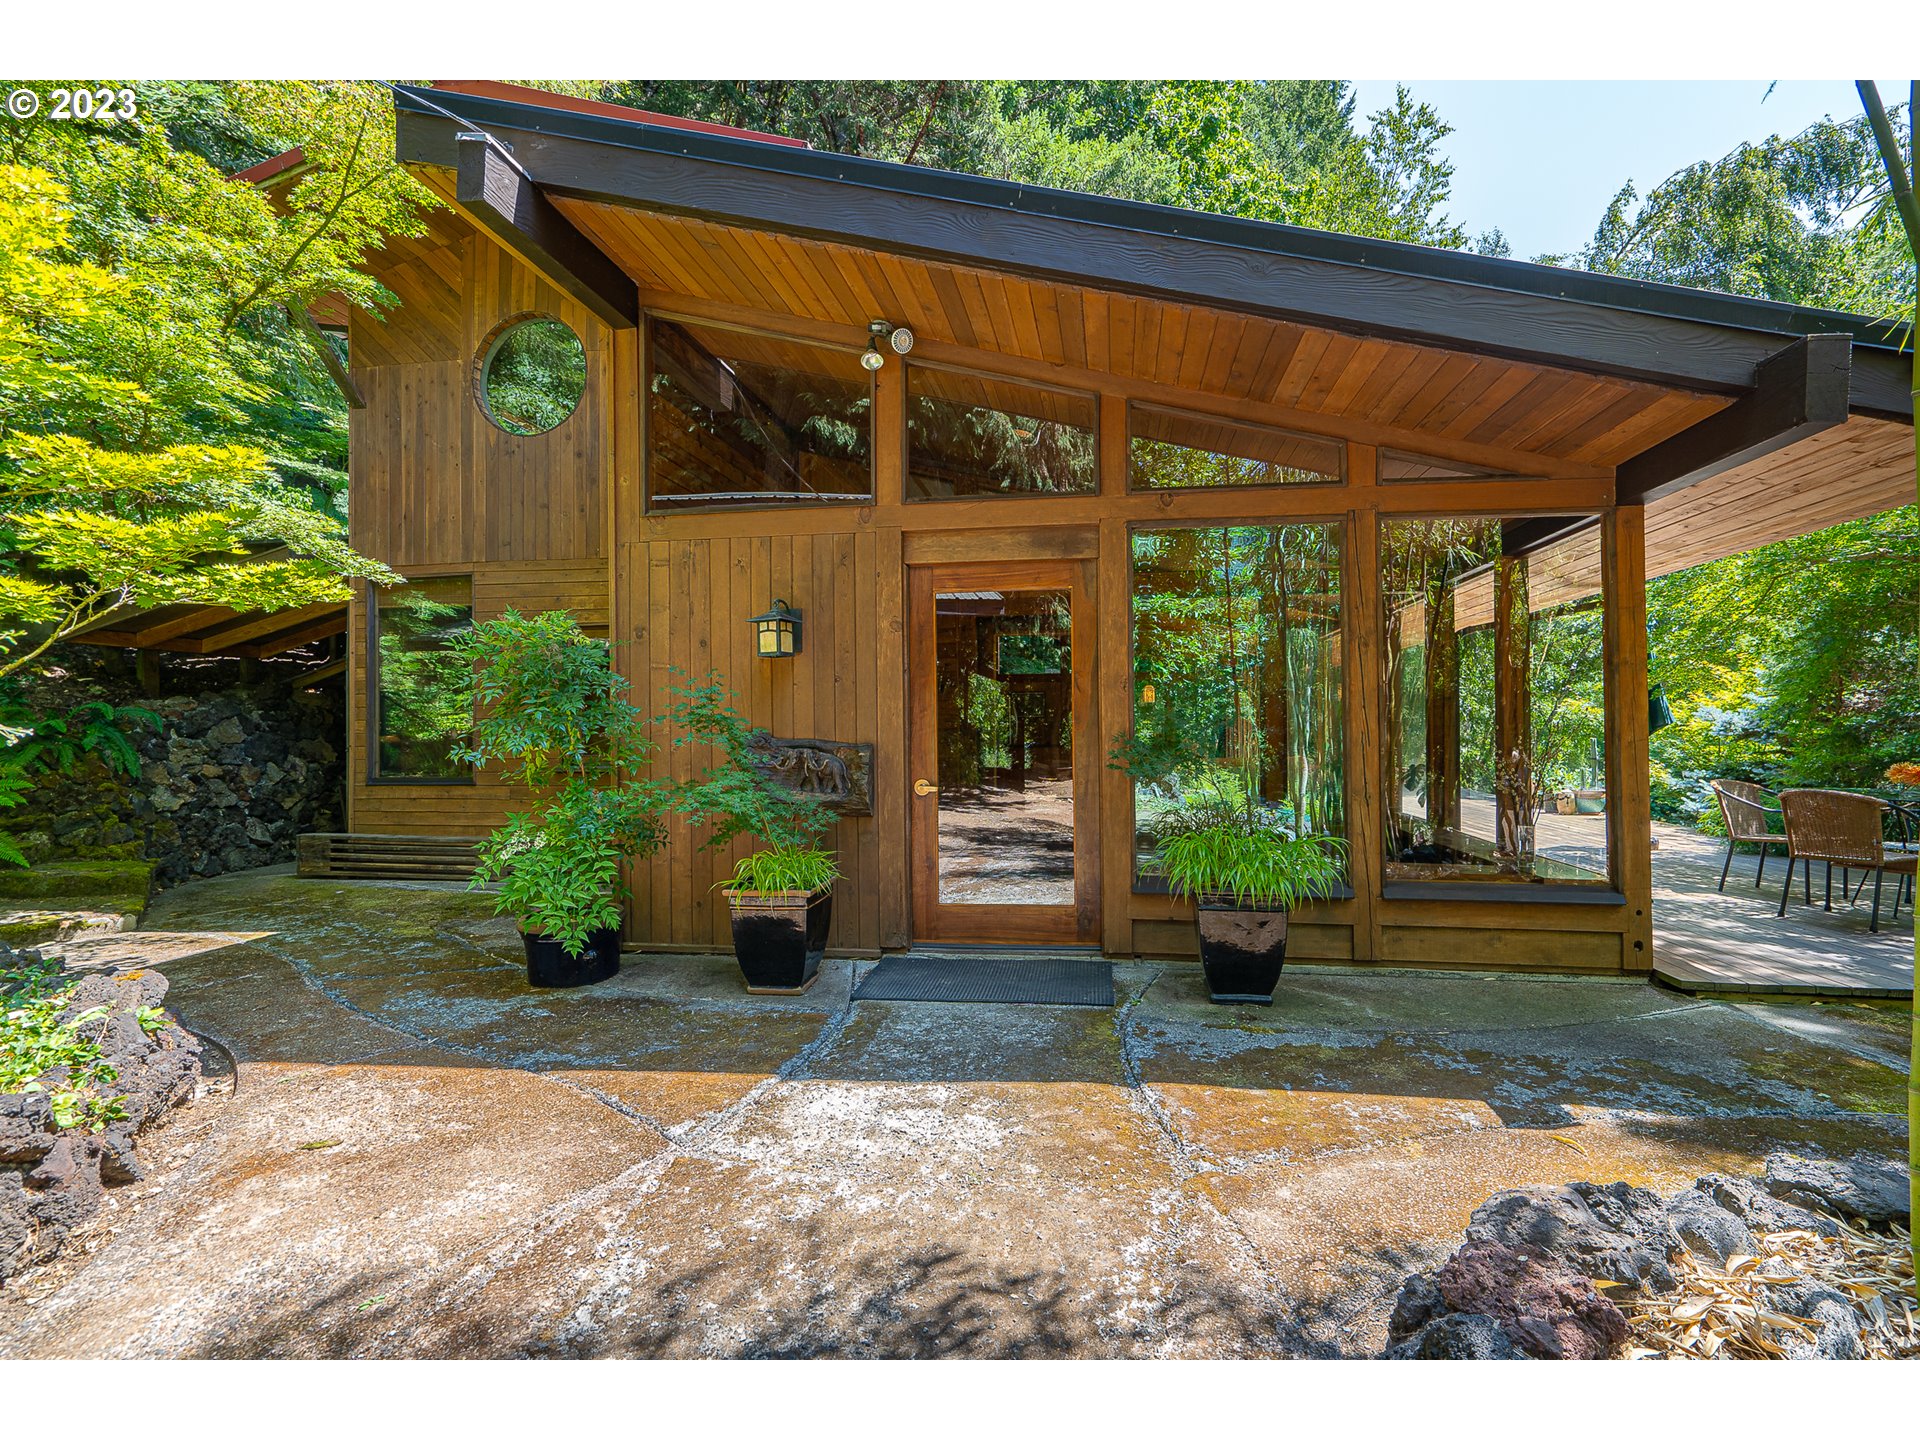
(1006, 759)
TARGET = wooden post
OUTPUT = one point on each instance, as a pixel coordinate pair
(1512, 709)
(1364, 604)
(1629, 802)
(1113, 605)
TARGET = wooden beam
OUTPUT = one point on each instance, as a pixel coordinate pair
(281, 641)
(301, 321)
(1798, 392)
(257, 625)
(500, 198)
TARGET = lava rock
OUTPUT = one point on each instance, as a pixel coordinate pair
(1546, 1309)
(1612, 1232)
(1864, 1188)
(1458, 1337)
(1760, 1211)
(1416, 1306)
(1708, 1229)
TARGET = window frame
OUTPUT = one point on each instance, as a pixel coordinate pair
(695, 505)
(1342, 522)
(1603, 890)
(370, 711)
(1341, 444)
(906, 436)
(490, 347)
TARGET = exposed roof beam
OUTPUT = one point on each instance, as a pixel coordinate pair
(507, 205)
(1666, 334)
(1799, 392)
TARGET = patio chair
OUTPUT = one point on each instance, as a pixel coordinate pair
(1840, 828)
(1749, 814)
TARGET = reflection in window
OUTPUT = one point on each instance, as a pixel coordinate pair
(1236, 679)
(422, 692)
(743, 419)
(1170, 450)
(1496, 703)
(974, 435)
(533, 377)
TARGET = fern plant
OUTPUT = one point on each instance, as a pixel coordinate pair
(1260, 869)
(33, 745)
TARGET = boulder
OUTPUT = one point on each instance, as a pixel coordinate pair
(1612, 1232)
(1708, 1229)
(1545, 1309)
(1458, 1337)
(1864, 1188)
(1762, 1213)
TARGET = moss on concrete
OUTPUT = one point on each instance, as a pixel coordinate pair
(118, 887)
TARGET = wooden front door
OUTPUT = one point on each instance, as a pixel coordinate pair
(1005, 754)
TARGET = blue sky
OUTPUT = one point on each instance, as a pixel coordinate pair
(1541, 159)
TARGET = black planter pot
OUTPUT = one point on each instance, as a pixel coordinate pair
(549, 967)
(779, 937)
(1242, 949)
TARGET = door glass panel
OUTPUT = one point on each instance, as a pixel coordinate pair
(1003, 682)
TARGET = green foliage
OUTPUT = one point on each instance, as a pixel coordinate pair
(45, 1051)
(765, 872)
(734, 797)
(535, 376)
(152, 1019)
(166, 433)
(1254, 868)
(32, 745)
(553, 716)
(1797, 219)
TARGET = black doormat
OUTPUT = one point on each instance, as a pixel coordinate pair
(1019, 979)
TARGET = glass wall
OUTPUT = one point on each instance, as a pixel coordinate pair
(744, 419)
(421, 692)
(1236, 680)
(1495, 763)
(972, 436)
(1173, 450)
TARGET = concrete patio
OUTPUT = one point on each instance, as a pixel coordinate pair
(423, 1157)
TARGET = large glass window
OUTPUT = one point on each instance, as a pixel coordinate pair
(1495, 762)
(1172, 450)
(975, 435)
(745, 419)
(1236, 679)
(421, 691)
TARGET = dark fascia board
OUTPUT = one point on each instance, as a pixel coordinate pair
(1800, 392)
(509, 206)
(1662, 333)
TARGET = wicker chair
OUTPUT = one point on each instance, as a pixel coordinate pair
(1749, 813)
(1839, 828)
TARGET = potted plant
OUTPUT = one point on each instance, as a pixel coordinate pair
(780, 897)
(552, 715)
(1244, 879)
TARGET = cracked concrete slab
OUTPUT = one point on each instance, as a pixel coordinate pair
(425, 1157)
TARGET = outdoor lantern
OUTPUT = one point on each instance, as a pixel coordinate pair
(777, 633)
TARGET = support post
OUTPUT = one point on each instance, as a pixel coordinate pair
(1629, 801)
(1512, 727)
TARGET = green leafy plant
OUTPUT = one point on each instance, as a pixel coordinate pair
(152, 1019)
(1255, 869)
(767, 871)
(32, 745)
(45, 1051)
(734, 797)
(553, 715)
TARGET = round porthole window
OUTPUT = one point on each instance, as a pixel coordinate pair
(532, 375)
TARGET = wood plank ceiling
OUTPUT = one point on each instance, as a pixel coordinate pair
(1574, 417)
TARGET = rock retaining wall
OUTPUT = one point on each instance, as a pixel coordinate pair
(240, 766)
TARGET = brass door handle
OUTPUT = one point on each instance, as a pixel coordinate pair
(925, 787)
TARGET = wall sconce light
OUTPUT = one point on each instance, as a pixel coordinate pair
(898, 338)
(776, 634)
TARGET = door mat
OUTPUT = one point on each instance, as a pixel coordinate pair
(990, 979)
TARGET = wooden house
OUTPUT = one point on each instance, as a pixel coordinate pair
(1089, 511)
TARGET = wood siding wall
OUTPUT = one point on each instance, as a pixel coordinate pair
(561, 520)
(438, 489)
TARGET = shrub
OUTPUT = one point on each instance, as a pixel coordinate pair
(734, 797)
(554, 718)
(1255, 869)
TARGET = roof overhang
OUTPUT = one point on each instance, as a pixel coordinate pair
(1668, 335)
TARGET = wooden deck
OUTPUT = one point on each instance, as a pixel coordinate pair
(1709, 943)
